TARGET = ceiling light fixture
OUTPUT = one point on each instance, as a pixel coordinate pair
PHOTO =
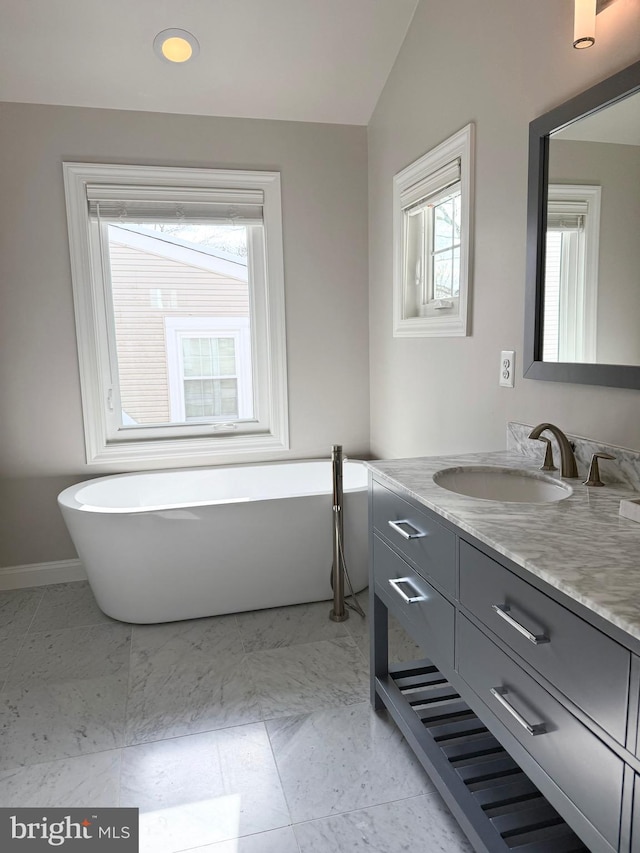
(584, 27)
(176, 45)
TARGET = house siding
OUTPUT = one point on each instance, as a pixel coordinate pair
(146, 289)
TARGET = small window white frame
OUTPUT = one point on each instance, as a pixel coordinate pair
(178, 328)
(191, 443)
(429, 176)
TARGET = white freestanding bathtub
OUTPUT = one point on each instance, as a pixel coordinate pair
(171, 545)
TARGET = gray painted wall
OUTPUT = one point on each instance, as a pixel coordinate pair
(616, 169)
(499, 64)
(324, 187)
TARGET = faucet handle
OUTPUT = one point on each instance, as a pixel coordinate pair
(547, 465)
(593, 477)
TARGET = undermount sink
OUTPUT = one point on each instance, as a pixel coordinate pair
(502, 484)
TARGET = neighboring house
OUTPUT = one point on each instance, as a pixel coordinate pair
(182, 328)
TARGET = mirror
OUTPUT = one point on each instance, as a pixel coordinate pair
(583, 248)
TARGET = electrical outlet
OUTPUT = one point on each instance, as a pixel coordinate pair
(507, 368)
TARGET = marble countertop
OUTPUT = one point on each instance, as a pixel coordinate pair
(579, 545)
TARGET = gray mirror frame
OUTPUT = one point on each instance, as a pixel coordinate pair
(624, 83)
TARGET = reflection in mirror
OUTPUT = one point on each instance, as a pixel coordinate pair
(591, 309)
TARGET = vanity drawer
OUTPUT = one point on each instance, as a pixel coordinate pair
(427, 545)
(430, 619)
(577, 761)
(590, 668)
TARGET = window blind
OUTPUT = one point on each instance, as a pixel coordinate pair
(566, 215)
(416, 195)
(117, 203)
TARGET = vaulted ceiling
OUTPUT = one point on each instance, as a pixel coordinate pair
(299, 60)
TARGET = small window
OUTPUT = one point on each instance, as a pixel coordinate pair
(210, 377)
(433, 253)
(180, 328)
(432, 231)
(571, 273)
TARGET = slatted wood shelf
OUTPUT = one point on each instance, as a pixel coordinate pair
(498, 807)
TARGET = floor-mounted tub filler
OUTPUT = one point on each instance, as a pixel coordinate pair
(169, 545)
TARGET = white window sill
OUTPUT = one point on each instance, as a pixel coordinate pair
(167, 451)
(436, 326)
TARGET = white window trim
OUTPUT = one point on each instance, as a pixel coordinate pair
(448, 322)
(90, 312)
(579, 305)
(177, 328)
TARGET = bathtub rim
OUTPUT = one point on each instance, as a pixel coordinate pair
(66, 498)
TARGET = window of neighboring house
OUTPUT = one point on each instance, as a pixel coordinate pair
(432, 240)
(180, 328)
(209, 364)
(571, 273)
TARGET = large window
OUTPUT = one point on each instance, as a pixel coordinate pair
(180, 328)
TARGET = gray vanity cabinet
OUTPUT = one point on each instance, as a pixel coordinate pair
(520, 709)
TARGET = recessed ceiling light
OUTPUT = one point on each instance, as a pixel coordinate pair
(176, 45)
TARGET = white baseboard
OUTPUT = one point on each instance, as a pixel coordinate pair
(40, 574)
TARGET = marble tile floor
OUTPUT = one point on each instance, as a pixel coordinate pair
(249, 733)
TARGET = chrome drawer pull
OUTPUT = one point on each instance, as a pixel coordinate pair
(499, 693)
(416, 534)
(503, 612)
(408, 599)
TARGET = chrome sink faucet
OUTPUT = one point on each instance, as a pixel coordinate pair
(568, 466)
